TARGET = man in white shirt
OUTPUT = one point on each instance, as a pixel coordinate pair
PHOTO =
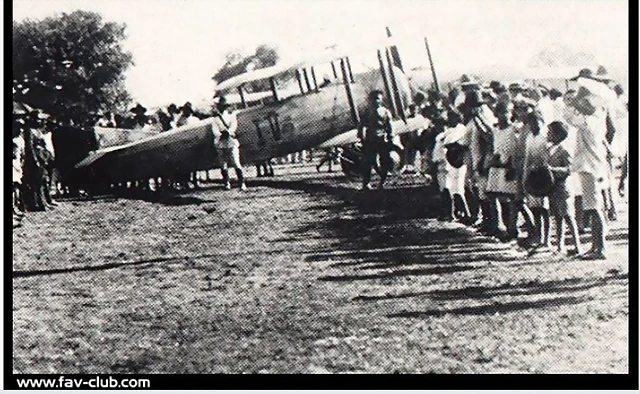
(480, 128)
(588, 112)
(227, 143)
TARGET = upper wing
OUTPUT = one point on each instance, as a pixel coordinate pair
(306, 60)
(256, 75)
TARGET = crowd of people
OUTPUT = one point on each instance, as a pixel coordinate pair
(36, 172)
(500, 155)
(160, 120)
(33, 167)
(522, 153)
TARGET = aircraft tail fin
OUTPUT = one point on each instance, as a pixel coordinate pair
(395, 55)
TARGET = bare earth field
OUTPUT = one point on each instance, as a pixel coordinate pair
(303, 274)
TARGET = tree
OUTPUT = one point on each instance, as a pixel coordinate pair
(70, 65)
(236, 64)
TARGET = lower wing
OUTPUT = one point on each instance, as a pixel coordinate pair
(182, 150)
(399, 127)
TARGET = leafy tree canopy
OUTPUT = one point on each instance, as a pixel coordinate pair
(70, 65)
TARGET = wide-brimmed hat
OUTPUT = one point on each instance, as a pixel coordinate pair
(469, 82)
(139, 110)
(598, 74)
(495, 85)
(539, 182)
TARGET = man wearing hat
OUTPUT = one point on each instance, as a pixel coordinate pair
(45, 161)
(227, 143)
(480, 123)
(376, 133)
(502, 179)
(33, 170)
(186, 118)
(139, 116)
(515, 89)
(588, 111)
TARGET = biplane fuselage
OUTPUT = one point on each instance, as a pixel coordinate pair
(302, 122)
(313, 118)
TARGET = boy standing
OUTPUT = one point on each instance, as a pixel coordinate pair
(536, 157)
(561, 199)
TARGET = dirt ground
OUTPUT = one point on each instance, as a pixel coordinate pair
(304, 274)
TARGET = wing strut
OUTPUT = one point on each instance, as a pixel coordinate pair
(349, 69)
(387, 88)
(274, 89)
(299, 78)
(394, 86)
(306, 79)
(241, 93)
(313, 76)
(347, 85)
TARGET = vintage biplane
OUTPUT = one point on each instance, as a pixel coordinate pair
(301, 113)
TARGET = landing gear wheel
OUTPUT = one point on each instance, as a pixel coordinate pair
(351, 161)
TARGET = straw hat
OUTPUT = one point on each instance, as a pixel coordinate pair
(597, 74)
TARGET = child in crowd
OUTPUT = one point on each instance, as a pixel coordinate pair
(456, 176)
(561, 199)
(438, 157)
(536, 157)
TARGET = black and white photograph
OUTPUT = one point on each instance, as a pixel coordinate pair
(319, 187)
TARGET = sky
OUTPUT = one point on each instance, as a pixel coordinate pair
(178, 45)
